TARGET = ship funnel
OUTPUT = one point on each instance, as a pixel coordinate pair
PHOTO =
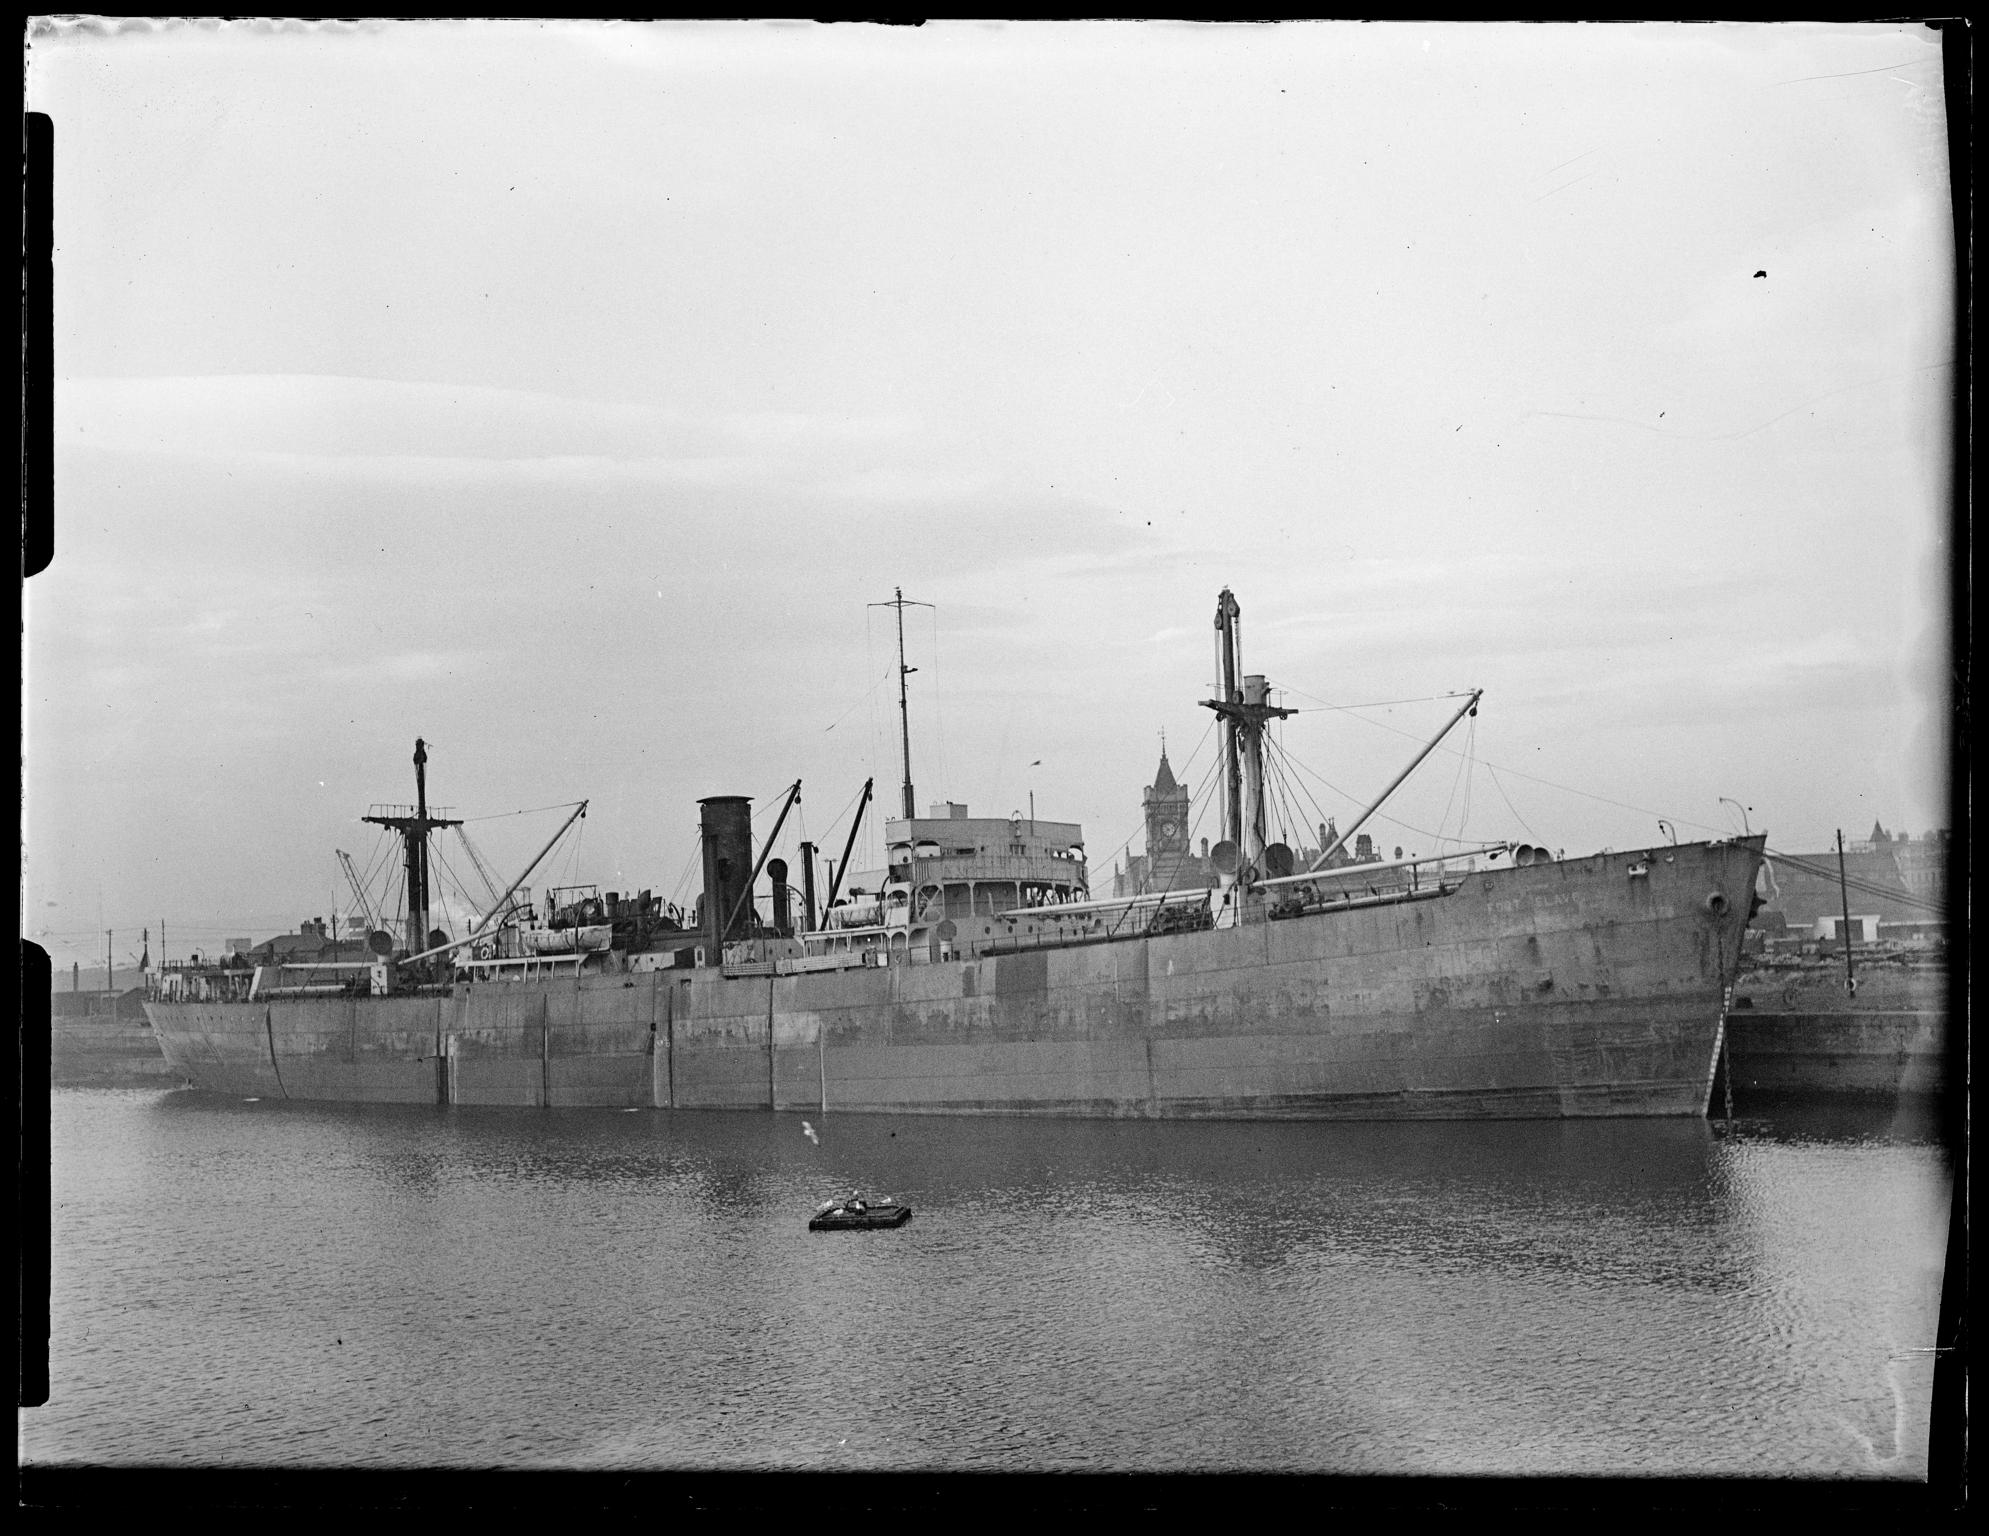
(725, 828)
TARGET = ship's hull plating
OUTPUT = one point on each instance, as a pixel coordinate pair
(1574, 988)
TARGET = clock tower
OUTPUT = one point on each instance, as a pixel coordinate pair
(1169, 863)
(1166, 821)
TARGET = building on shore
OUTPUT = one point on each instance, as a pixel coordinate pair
(312, 944)
(1923, 864)
(124, 1003)
(1173, 862)
(1895, 887)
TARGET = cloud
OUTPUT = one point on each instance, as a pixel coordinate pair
(378, 423)
(891, 483)
(411, 666)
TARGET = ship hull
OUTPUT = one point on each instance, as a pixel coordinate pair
(1578, 988)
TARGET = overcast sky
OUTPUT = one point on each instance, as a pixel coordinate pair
(563, 394)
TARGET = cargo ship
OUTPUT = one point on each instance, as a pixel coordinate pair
(982, 977)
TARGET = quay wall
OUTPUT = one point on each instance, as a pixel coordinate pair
(1826, 1053)
(106, 1051)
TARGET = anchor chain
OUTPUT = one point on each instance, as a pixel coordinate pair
(1726, 1009)
(1726, 1051)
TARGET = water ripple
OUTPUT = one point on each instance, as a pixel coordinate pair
(283, 1284)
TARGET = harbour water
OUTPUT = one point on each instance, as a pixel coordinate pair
(302, 1286)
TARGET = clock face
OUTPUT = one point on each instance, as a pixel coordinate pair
(1168, 829)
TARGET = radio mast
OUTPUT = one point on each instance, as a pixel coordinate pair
(900, 602)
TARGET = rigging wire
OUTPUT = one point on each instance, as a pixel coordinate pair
(1465, 767)
(1296, 792)
(938, 693)
(1287, 762)
(1383, 815)
(882, 677)
(1205, 797)
(1509, 805)
(876, 739)
(1343, 794)
(1490, 767)
(1852, 882)
(1620, 805)
(489, 885)
(502, 815)
(836, 820)
(377, 866)
(1450, 799)
(680, 893)
(573, 852)
(460, 893)
(1280, 792)
(1205, 794)
(1381, 704)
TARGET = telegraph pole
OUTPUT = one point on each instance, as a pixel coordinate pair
(1844, 894)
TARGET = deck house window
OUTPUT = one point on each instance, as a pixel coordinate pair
(993, 897)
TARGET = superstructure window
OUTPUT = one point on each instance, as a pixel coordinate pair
(993, 897)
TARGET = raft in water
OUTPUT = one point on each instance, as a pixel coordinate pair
(856, 1216)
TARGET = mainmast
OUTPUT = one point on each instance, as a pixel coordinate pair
(899, 602)
(1244, 714)
(1228, 635)
(414, 830)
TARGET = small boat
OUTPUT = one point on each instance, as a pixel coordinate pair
(856, 1214)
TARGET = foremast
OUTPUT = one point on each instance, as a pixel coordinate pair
(1244, 714)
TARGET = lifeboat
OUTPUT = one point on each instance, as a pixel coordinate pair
(855, 914)
(566, 941)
